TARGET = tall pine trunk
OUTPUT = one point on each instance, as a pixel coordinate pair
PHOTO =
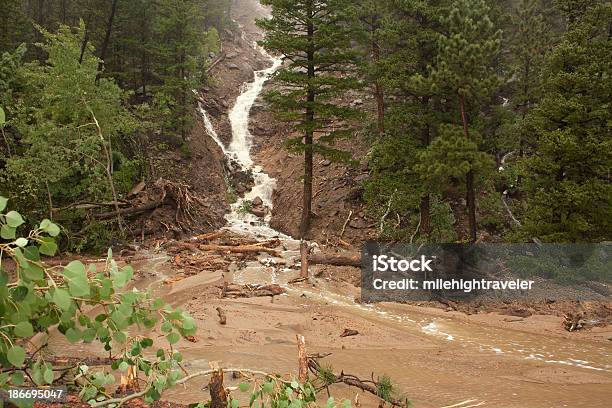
(424, 207)
(308, 135)
(470, 195)
(378, 91)
(107, 34)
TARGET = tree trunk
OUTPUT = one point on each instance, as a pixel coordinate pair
(218, 395)
(378, 91)
(104, 47)
(470, 195)
(308, 136)
(424, 207)
(425, 214)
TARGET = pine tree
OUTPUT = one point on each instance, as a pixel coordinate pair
(179, 57)
(569, 185)
(528, 45)
(467, 48)
(314, 41)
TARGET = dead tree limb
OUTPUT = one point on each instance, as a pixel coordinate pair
(302, 359)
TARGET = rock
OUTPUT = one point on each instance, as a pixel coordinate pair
(257, 202)
(349, 332)
(258, 211)
(231, 55)
(358, 224)
(233, 67)
(326, 163)
(357, 102)
(240, 189)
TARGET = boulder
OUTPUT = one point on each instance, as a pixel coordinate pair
(233, 67)
(258, 211)
(257, 202)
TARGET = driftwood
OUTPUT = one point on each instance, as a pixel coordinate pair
(240, 249)
(337, 260)
(222, 317)
(349, 332)
(248, 291)
(573, 321)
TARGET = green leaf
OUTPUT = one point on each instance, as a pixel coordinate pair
(268, 387)
(61, 298)
(123, 366)
(21, 242)
(166, 327)
(3, 201)
(14, 219)
(73, 335)
(16, 356)
(244, 387)
(78, 284)
(17, 378)
(2, 122)
(173, 338)
(48, 246)
(24, 329)
(7, 232)
(33, 272)
(52, 229)
(48, 375)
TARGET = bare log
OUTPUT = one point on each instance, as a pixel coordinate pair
(240, 249)
(248, 291)
(130, 211)
(302, 359)
(337, 260)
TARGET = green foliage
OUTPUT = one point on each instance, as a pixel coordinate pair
(318, 72)
(568, 177)
(245, 207)
(278, 393)
(37, 298)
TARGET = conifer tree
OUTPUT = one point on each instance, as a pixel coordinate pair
(467, 47)
(313, 38)
(568, 184)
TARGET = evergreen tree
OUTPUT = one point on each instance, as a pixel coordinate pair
(467, 47)
(314, 41)
(180, 59)
(568, 185)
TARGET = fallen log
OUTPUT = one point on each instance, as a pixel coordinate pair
(240, 249)
(336, 260)
(248, 291)
(129, 211)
